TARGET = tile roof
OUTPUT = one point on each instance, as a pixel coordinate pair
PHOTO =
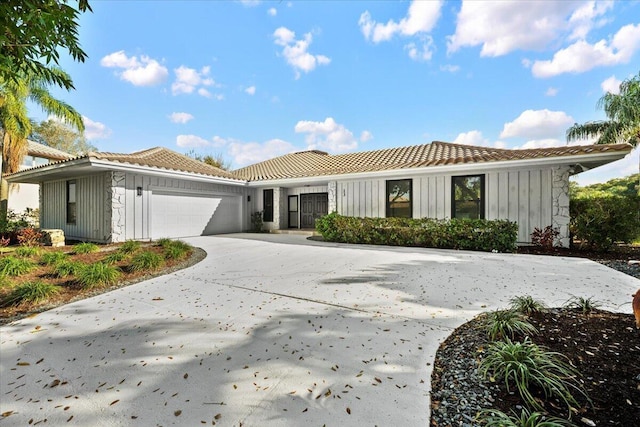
(163, 158)
(318, 163)
(39, 150)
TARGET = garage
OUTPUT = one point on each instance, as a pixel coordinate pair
(181, 214)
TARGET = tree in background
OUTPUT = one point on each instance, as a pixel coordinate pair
(32, 33)
(216, 160)
(61, 136)
(623, 113)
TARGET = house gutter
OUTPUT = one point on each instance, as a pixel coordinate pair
(466, 168)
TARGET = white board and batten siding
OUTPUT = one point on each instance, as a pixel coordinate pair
(523, 196)
(93, 216)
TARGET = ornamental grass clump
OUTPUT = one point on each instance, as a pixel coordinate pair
(528, 368)
(495, 418)
(66, 268)
(146, 260)
(177, 249)
(31, 293)
(97, 274)
(28, 251)
(12, 266)
(130, 246)
(527, 305)
(115, 257)
(507, 324)
(85, 248)
(52, 258)
(586, 305)
(163, 242)
(4, 281)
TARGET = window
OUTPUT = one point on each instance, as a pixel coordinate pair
(71, 202)
(267, 205)
(467, 198)
(399, 198)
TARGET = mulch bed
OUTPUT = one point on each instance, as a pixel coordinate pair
(71, 291)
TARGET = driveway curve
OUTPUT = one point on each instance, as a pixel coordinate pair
(273, 330)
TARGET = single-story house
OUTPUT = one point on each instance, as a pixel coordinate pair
(26, 196)
(110, 197)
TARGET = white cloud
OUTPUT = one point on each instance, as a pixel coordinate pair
(250, 3)
(144, 71)
(251, 90)
(611, 85)
(502, 27)
(422, 51)
(296, 51)
(475, 137)
(188, 79)
(180, 117)
(192, 141)
(421, 18)
(582, 56)
(272, 11)
(327, 135)
(541, 143)
(366, 136)
(246, 153)
(538, 124)
(552, 91)
(95, 130)
(450, 68)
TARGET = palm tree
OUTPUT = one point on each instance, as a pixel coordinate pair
(15, 125)
(623, 113)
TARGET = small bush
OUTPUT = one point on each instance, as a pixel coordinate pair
(545, 238)
(31, 293)
(146, 260)
(28, 251)
(495, 418)
(52, 258)
(505, 324)
(115, 257)
(527, 305)
(12, 266)
(586, 305)
(130, 246)
(85, 248)
(163, 242)
(65, 268)
(97, 274)
(257, 222)
(29, 237)
(526, 367)
(469, 234)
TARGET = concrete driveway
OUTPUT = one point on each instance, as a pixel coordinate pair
(272, 330)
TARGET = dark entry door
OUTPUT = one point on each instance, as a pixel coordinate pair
(312, 207)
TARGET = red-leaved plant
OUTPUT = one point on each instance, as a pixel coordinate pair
(29, 237)
(545, 238)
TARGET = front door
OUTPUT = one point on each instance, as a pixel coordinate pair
(312, 207)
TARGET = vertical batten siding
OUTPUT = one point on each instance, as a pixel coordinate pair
(91, 215)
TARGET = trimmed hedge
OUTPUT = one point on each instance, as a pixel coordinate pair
(469, 234)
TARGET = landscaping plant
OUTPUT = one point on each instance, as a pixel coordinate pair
(27, 251)
(586, 305)
(65, 268)
(85, 248)
(507, 324)
(53, 257)
(31, 292)
(163, 242)
(130, 246)
(495, 418)
(115, 257)
(527, 367)
(12, 266)
(4, 281)
(527, 305)
(29, 237)
(177, 249)
(97, 274)
(545, 238)
(146, 260)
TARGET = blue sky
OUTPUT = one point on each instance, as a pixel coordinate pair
(256, 79)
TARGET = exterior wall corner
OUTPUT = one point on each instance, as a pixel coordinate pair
(332, 190)
(116, 202)
(560, 200)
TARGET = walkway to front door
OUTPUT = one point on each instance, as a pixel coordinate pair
(312, 207)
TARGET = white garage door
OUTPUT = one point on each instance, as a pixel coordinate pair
(176, 214)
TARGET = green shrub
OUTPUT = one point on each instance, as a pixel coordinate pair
(115, 257)
(130, 246)
(176, 251)
(31, 292)
(163, 242)
(66, 268)
(602, 219)
(146, 260)
(506, 324)
(52, 258)
(97, 274)
(85, 248)
(12, 266)
(495, 418)
(586, 305)
(469, 234)
(527, 305)
(28, 251)
(527, 367)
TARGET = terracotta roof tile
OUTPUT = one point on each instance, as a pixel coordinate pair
(39, 150)
(314, 163)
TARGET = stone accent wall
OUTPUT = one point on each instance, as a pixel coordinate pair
(116, 194)
(332, 190)
(560, 195)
